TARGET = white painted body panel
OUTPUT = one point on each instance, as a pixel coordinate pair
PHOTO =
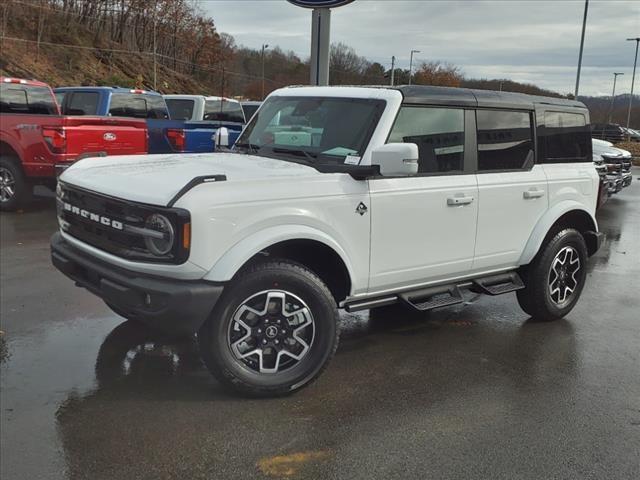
(577, 182)
(415, 235)
(505, 217)
(156, 179)
(256, 214)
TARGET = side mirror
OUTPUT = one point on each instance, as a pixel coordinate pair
(396, 159)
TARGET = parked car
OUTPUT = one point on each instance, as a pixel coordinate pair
(249, 108)
(618, 162)
(36, 141)
(631, 134)
(338, 197)
(209, 114)
(165, 134)
(608, 131)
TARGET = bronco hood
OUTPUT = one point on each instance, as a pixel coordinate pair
(156, 179)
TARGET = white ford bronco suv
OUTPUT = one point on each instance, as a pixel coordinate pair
(337, 197)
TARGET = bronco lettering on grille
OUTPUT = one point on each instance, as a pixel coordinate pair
(93, 216)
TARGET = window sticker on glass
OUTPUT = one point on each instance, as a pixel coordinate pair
(352, 160)
(340, 151)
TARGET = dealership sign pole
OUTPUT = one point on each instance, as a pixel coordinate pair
(320, 36)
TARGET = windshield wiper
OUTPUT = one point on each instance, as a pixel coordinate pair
(299, 153)
(251, 148)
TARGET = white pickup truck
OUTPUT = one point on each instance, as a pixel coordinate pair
(337, 197)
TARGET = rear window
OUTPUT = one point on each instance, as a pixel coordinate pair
(180, 109)
(566, 138)
(223, 110)
(137, 105)
(16, 98)
(82, 103)
(249, 110)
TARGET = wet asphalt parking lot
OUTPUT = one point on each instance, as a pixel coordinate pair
(475, 391)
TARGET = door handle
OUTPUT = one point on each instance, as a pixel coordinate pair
(533, 193)
(454, 201)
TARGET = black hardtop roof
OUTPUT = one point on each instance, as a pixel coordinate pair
(425, 94)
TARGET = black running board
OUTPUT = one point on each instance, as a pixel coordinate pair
(434, 297)
(442, 295)
(499, 284)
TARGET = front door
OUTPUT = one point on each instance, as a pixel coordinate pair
(423, 228)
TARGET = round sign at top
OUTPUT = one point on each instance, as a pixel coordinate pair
(319, 3)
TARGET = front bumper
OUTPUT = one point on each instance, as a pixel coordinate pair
(175, 306)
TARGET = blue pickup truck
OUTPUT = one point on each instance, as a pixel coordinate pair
(166, 135)
(205, 111)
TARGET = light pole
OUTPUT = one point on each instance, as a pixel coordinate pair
(411, 64)
(393, 70)
(584, 26)
(633, 79)
(613, 94)
(264, 47)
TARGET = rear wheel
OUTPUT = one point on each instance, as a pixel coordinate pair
(273, 331)
(15, 191)
(555, 278)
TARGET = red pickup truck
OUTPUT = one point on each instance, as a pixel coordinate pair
(36, 142)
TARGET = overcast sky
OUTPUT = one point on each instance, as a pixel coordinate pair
(527, 41)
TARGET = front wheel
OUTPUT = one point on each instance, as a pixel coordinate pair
(555, 278)
(272, 332)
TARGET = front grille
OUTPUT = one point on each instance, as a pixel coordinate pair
(106, 223)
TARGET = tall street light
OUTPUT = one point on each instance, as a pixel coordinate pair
(411, 64)
(264, 47)
(584, 26)
(633, 79)
(613, 94)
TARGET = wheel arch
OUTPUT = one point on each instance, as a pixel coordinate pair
(305, 245)
(7, 150)
(568, 214)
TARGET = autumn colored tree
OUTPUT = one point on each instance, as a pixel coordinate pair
(438, 74)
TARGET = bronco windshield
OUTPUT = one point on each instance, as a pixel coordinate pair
(312, 130)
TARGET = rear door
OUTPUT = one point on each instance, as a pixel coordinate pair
(512, 189)
(423, 228)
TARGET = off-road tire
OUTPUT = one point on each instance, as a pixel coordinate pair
(535, 299)
(273, 275)
(22, 188)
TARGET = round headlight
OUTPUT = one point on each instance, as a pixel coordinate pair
(159, 245)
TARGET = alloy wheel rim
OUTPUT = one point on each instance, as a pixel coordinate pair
(7, 185)
(563, 282)
(271, 331)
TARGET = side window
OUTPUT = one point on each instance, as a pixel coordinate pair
(439, 134)
(82, 103)
(566, 137)
(505, 140)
